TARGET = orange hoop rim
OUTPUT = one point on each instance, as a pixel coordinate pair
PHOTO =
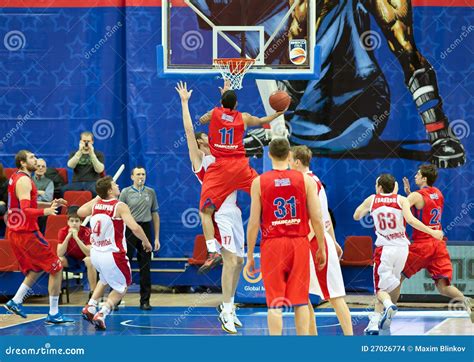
(235, 64)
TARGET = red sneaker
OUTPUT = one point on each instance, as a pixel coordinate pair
(99, 321)
(88, 313)
(213, 259)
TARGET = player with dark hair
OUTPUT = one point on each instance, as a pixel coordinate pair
(33, 252)
(284, 202)
(426, 252)
(390, 211)
(231, 171)
(227, 221)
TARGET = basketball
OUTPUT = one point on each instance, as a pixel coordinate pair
(279, 100)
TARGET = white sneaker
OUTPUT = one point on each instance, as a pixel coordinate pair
(387, 316)
(237, 321)
(227, 322)
(372, 328)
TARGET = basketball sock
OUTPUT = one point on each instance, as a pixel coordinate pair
(53, 305)
(93, 302)
(211, 246)
(105, 310)
(232, 300)
(227, 307)
(387, 303)
(21, 293)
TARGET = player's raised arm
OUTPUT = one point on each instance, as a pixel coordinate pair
(195, 154)
(316, 218)
(254, 223)
(125, 214)
(252, 121)
(414, 222)
(86, 209)
(364, 208)
(206, 118)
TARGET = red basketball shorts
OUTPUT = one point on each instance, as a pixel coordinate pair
(285, 271)
(432, 255)
(223, 177)
(34, 253)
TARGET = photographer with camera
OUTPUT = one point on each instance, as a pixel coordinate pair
(87, 165)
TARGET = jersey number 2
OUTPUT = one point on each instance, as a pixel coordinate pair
(435, 216)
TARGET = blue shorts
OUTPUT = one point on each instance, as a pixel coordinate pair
(75, 264)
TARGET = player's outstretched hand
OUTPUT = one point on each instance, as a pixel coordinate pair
(250, 266)
(406, 186)
(147, 246)
(52, 210)
(438, 234)
(226, 87)
(59, 202)
(321, 258)
(182, 89)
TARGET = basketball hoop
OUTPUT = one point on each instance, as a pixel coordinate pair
(233, 69)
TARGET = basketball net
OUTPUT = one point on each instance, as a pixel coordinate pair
(233, 70)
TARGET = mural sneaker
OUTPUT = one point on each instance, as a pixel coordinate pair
(372, 328)
(58, 319)
(227, 322)
(387, 316)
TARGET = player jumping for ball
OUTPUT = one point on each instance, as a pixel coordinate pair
(231, 171)
(109, 248)
(389, 211)
(228, 219)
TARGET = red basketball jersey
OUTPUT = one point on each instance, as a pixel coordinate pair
(284, 211)
(226, 133)
(17, 220)
(108, 230)
(430, 214)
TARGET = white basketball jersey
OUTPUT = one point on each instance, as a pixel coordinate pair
(323, 199)
(108, 231)
(388, 220)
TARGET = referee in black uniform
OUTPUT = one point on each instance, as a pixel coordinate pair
(144, 207)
